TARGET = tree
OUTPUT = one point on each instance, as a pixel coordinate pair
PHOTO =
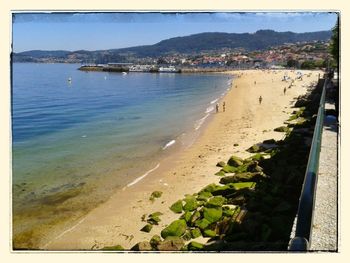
(292, 63)
(335, 42)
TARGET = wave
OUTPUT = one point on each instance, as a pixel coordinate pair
(169, 144)
(200, 122)
(213, 101)
(209, 109)
(142, 176)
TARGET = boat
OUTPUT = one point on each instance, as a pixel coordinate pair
(125, 73)
(170, 69)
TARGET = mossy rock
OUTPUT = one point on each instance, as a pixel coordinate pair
(176, 228)
(212, 214)
(270, 141)
(195, 216)
(187, 236)
(242, 177)
(209, 233)
(235, 161)
(176, 207)
(142, 246)
(202, 223)
(227, 211)
(155, 240)
(196, 232)
(190, 204)
(171, 243)
(216, 201)
(113, 248)
(255, 149)
(195, 246)
(239, 186)
(155, 194)
(220, 173)
(281, 129)
(224, 190)
(147, 228)
(221, 164)
(204, 196)
(187, 216)
(229, 169)
(209, 188)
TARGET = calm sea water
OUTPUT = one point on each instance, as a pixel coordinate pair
(75, 142)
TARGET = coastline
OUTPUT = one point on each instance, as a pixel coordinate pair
(118, 221)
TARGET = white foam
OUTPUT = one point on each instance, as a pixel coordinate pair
(209, 109)
(199, 123)
(143, 176)
(213, 101)
(169, 144)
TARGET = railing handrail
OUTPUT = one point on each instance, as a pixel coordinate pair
(302, 239)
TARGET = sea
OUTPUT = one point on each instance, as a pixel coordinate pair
(77, 137)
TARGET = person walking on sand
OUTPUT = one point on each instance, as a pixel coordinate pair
(284, 90)
(217, 107)
(260, 100)
(223, 106)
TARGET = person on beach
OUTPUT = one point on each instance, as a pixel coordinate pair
(217, 107)
(284, 90)
(223, 106)
(254, 82)
(260, 100)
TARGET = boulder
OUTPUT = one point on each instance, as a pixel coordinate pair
(147, 228)
(255, 149)
(221, 164)
(203, 196)
(209, 233)
(224, 190)
(242, 177)
(155, 240)
(176, 228)
(216, 201)
(142, 246)
(220, 173)
(176, 207)
(187, 236)
(195, 246)
(155, 194)
(202, 223)
(212, 214)
(196, 233)
(235, 161)
(195, 216)
(187, 216)
(229, 169)
(281, 129)
(190, 204)
(171, 244)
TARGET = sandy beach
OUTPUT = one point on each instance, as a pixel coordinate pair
(244, 123)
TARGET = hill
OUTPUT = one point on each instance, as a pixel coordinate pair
(192, 44)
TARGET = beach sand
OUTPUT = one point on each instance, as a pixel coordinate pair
(245, 122)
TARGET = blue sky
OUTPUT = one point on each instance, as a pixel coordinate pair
(96, 31)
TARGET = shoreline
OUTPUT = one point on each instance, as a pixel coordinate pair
(118, 220)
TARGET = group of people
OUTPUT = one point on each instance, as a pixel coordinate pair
(223, 107)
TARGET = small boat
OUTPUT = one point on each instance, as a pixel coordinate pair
(125, 73)
(69, 79)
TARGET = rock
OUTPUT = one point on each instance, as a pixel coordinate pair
(281, 129)
(227, 211)
(155, 240)
(115, 248)
(212, 214)
(209, 233)
(190, 204)
(239, 186)
(229, 169)
(195, 216)
(176, 207)
(155, 194)
(176, 228)
(202, 223)
(196, 233)
(235, 144)
(187, 236)
(255, 149)
(147, 228)
(195, 246)
(238, 200)
(224, 190)
(209, 188)
(142, 246)
(203, 196)
(187, 216)
(242, 177)
(171, 244)
(216, 201)
(235, 161)
(270, 141)
(221, 164)
(220, 173)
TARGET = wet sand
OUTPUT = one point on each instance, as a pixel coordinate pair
(244, 122)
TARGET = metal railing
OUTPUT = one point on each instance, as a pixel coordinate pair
(302, 239)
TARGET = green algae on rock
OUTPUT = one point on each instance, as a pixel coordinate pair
(176, 228)
(176, 207)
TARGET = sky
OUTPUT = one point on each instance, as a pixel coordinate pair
(97, 31)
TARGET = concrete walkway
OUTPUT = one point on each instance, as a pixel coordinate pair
(325, 224)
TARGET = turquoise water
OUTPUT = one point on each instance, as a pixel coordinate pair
(75, 142)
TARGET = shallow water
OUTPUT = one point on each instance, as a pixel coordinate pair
(75, 142)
